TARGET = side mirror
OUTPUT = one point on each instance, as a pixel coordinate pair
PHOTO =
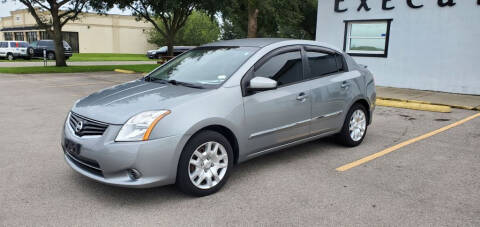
(262, 84)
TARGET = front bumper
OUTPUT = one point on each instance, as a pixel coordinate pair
(156, 160)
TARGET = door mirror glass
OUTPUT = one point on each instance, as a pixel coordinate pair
(262, 84)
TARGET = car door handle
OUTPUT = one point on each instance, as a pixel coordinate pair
(345, 84)
(302, 96)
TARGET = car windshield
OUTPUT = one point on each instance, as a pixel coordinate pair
(204, 65)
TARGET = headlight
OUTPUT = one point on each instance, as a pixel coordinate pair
(140, 126)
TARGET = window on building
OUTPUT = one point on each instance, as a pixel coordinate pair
(367, 38)
(285, 68)
(8, 36)
(32, 36)
(19, 36)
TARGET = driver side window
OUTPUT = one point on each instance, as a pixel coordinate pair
(285, 68)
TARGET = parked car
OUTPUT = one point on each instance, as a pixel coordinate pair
(162, 51)
(192, 119)
(36, 49)
(13, 49)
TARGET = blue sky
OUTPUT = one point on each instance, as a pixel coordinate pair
(11, 5)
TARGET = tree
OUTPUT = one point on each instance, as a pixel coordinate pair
(172, 14)
(199, 29)
(269, 18)
(52, 15)
(305, 23)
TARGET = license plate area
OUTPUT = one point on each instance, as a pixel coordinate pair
(72, 148)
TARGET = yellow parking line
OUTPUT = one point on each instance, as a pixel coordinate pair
(403, 144)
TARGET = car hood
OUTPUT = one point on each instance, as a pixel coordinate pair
(117, 104)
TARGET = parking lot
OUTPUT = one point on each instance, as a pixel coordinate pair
(434, 181)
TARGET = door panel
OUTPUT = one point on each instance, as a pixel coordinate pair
(276, 117)
(330, 97)
(281, 115)
(331, 90)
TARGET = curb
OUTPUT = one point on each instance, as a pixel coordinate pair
(414, 105)
(430, 103)
(124, 71)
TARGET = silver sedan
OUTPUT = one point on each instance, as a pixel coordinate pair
(192, 119)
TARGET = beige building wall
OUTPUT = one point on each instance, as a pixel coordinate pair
(96, 33)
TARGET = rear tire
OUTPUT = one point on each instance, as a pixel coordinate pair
(354, 127)
(205, 164)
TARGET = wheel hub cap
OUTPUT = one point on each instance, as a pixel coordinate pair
(208, 165)
(358, 124)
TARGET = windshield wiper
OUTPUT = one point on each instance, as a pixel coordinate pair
(186, 84)
(174, 82)
(153, 79)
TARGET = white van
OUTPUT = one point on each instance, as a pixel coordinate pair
(14, 49)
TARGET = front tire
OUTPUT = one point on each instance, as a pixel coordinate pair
(355, 126)
(205, 164)
(10, 57)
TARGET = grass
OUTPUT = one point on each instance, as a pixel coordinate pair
(94, 57)
(108, 57)
(75, 69)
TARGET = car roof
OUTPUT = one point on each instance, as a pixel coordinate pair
(250, 42)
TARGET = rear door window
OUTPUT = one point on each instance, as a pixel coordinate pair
(22, 44)
(321, 64)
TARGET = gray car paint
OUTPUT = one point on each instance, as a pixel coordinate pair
(261, 123)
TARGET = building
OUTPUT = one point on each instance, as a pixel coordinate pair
(92, 33)
(419, 44)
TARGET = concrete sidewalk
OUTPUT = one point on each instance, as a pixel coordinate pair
(441, 98)
(52, 63)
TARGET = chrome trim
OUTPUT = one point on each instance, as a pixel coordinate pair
(319, 135)
(261, 133)
(328, 115)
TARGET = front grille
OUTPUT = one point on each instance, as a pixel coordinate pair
(83, 126)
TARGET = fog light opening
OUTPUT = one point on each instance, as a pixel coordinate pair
(134, 174)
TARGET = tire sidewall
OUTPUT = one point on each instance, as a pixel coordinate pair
(183, 179)
(10, 57)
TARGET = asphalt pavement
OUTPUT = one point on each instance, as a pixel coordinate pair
(432, 182)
